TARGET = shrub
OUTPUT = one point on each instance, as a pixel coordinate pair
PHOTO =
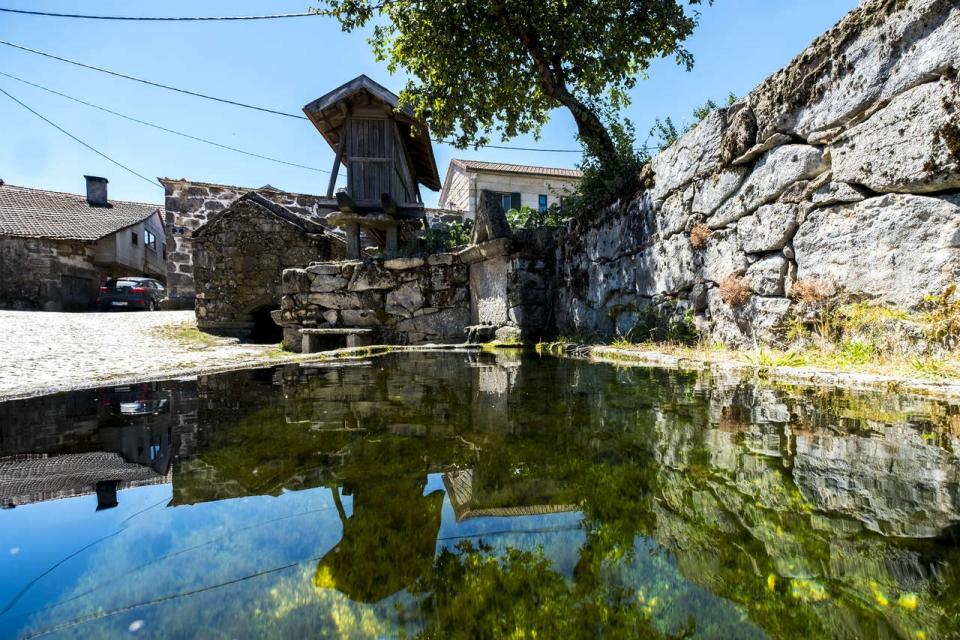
(664, 324)
(699, 236)
(527, 218)
(942, 314)
(812, 290)
(735, 290)
(444, 237)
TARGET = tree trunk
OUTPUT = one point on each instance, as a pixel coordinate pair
(589, 127)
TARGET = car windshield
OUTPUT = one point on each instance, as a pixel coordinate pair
(123, 284)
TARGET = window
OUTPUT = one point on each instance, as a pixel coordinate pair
(149, 239)
(133, 238)
(542, 203)
(510, 201)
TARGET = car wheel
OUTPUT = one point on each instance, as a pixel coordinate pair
(152, 305)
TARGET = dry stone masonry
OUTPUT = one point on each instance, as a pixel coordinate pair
(239, 256)
(190, 204)
(409, 300)
(843, 168)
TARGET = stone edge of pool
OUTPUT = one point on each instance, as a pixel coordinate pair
(947, 389)
(337, 357)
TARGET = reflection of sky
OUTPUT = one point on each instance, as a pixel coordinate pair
(229, 562)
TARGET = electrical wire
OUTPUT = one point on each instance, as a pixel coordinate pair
(162, 128)
(75, 138)
(153, 84)
(104, 613)
(241, 104)
(165, 19)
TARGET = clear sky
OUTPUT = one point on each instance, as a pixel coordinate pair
(284, 64)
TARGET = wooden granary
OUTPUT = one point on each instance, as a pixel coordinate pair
(388, 155)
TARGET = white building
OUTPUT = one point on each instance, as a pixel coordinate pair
(518, 185)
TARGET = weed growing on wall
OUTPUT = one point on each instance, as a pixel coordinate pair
(444, 237)
(527, 218)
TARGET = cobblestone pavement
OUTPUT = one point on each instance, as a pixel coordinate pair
(42, 352)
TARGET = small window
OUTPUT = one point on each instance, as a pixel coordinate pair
(510, 201)
(542, 203)
(134, 239)
(149, 239)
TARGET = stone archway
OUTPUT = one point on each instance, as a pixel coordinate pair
(263, 330)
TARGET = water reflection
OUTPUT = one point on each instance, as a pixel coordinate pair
(478, 495)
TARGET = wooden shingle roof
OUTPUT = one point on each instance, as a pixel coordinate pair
(329, 112)
(37, 213)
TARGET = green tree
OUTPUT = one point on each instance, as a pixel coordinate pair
(481, 66)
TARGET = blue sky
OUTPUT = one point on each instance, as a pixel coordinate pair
(284, 64)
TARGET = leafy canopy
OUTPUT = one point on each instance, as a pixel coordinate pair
(486, 66)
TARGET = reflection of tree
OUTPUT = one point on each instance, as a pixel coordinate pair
(474, 594)
(389, 540)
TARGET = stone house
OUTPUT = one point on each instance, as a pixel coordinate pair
(516, 185)
(190, 204)
(56, 249)
(239, 255)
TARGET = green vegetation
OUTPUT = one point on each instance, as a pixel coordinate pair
(527, 218)
(501, 66)
(189, 336)
(664, 323)
(444, 237)
(860, 337)
(665, 132)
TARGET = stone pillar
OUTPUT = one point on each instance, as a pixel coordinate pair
(393, 242)
(353, 241)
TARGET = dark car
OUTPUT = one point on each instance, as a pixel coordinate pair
(131, 293)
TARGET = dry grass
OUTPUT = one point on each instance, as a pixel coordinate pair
(699, 236)
(735, 290)
(189, 337)
(812, 290)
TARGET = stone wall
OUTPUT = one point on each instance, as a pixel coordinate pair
(412, 300)
(32, 272)
(189, 205)
(512, 284)
(240, 256)
(838, 172)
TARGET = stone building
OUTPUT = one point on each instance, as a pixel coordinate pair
(239, 255)
(56, 249)
(516, 185)
(190, 204)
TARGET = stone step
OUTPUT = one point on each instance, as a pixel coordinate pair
(323, 339)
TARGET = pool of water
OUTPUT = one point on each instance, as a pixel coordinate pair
(456, 495)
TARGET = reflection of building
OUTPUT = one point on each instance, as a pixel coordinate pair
(94, 441)
(459, 487)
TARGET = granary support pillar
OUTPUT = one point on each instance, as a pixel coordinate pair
(392, 247)
(353, 241)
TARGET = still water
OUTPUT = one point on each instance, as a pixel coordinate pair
(457, 495)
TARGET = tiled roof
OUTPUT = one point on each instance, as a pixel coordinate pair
(36, 213)
(500, 167)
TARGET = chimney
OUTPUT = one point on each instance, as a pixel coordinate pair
(97, 191)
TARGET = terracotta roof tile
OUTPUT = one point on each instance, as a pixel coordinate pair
(36, 213)
(501, 167)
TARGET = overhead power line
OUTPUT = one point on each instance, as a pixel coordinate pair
(163, 18)
(162, 128)
(153, 84)
(240, 104)
(75, 138)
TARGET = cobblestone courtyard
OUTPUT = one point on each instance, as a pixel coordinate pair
(43, 352)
